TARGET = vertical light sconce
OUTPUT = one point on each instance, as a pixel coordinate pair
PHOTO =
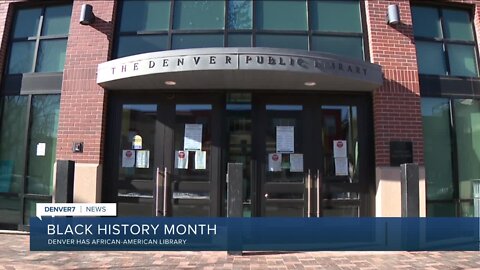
(393, 15)
(86, 15)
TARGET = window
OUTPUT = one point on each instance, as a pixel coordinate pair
(451, 129)
(39, 39)
(315, 25)
(28, 138)
(445, 42)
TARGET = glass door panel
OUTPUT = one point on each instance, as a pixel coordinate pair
(192, 172)
(136, 164)
(239, 146)
(283, 184)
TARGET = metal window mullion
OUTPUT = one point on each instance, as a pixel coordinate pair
(309, 27)
(225, 22)
(25, 161)
(454, 156)
(170, 26)
(445, 50)
(253, 41)
(37, 40)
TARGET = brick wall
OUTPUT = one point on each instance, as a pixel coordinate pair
(396, 105)
(83, 102)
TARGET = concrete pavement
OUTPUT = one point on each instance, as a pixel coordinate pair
(15, 254)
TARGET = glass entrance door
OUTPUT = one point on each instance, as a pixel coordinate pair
(302, 155)
(165, 155)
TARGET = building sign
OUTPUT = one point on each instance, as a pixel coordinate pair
(400, 152)
(229, 59)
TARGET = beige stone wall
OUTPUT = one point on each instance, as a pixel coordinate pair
(87, 186)
(388, 196)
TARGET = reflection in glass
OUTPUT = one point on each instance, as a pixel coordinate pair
(135, 185)
(191, 187)
(239, 142)
(239, 14)
(299, 42)
(340, 210)
(10, 210)
(426, 22)
(338, 16)
(12, 146)
(185, 41)
(437, 150)
(345, 46)
(467, 127)
(130, 45)
(21, 57)
(340, 123)
(43, 135)
(439, 209)
(430, 58)
(148, 15)
(26, 22)
(457, 24)
(200, 14)
(31, 208)
(462, 59)
(56, 20)
(51, 55)
(239, 40)
(281, 15)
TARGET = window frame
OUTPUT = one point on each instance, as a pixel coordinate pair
(252, 32)
(38, 35)
(444, 41)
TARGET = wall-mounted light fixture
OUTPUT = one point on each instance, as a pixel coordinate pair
(393, 15)
(86, 15)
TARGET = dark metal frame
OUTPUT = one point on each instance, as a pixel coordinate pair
(450, 87)
(38, 36)
(446, 41)
(252, 32)
(312, 103)
(23, 195)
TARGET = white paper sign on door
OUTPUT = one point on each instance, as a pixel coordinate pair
(285, 139)
(181, 159)
(341, 166)
(339, 148)
(128, 158)
(41, 147)
(143, 159)
(296, 162)
(274, 162)
(200, 160)
(193, 137)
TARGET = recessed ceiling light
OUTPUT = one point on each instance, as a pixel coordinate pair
(170, 83)
(310, 83)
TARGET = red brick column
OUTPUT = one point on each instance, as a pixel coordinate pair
(397, 114)
(83, 102)
(396, 105)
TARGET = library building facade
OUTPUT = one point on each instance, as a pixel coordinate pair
(317, 102)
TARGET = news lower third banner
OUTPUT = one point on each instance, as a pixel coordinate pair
(254, 234)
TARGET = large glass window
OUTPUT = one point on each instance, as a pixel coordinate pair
(28, 138)
(39, 39)
(325, 26)
(445, 42)
(452, 154)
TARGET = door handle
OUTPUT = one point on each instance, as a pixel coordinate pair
(318, 192)
(165, 176)
(157, 185)
(309, 195)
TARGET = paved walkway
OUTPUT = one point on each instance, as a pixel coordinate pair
(15, 254)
